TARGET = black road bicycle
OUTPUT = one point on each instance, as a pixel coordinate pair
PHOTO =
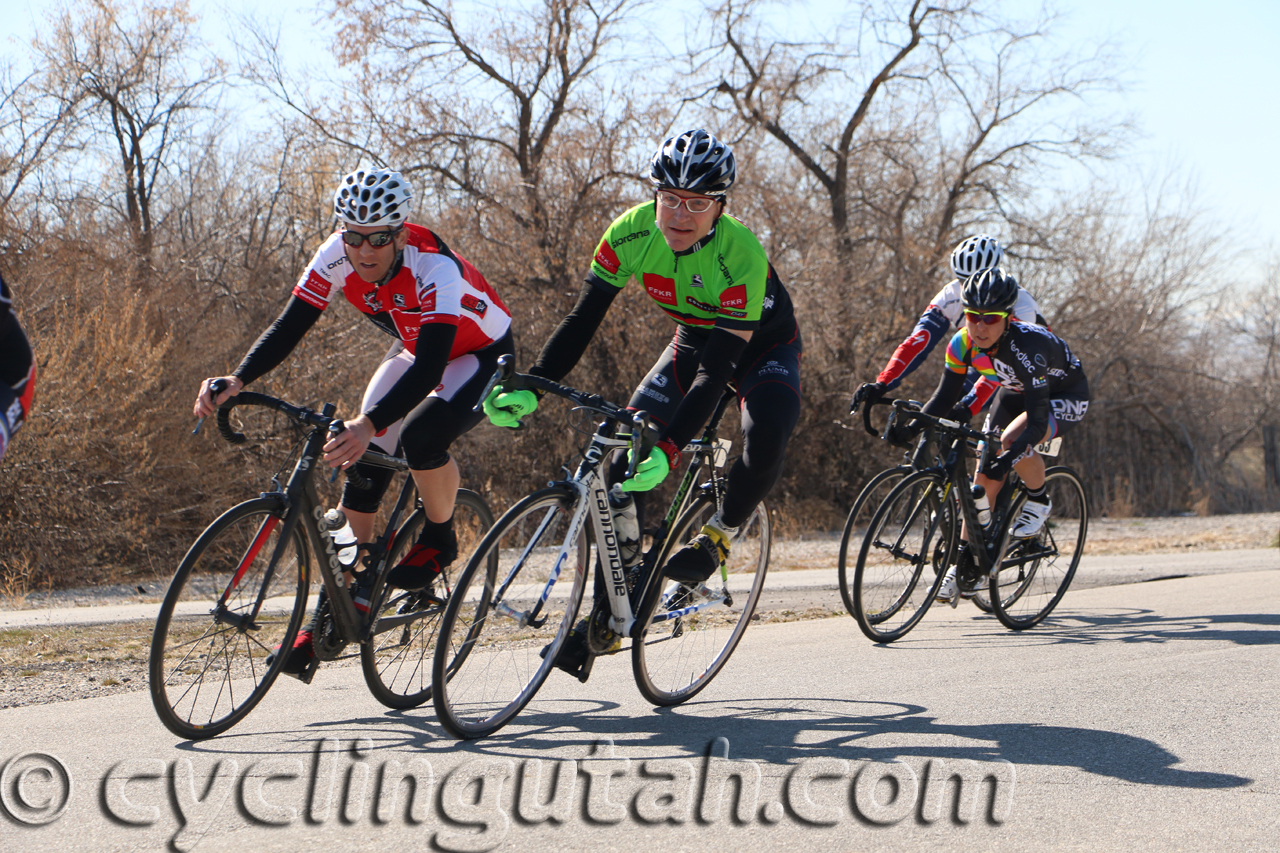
(515, 604)
(241, 592)
(912, 538)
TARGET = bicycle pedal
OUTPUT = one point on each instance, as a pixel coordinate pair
(308, 673)
(584, 671)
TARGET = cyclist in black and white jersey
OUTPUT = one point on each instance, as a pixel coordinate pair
(17, 371)
(1043, 393)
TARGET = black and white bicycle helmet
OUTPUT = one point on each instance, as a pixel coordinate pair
(373, 197)
(989, 291)
(695, 161)
(975, 255)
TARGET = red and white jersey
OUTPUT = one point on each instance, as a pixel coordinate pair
(433, 285)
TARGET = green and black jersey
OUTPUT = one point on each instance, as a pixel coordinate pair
(723, 280)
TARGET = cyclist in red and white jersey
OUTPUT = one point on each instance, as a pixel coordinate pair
(944, 315)
(17, 371)
(450, 328)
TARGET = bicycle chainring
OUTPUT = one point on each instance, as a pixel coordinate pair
(325, 640)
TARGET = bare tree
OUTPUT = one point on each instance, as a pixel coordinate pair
(134, 71)
(33, 130)
(506, 112)
(916, 121)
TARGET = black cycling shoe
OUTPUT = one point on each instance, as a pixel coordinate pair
(968, 575)
(300, 657)
(698, 560)
(424, 563)
(574, 657)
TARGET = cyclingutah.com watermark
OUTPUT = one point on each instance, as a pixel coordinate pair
(484, 801)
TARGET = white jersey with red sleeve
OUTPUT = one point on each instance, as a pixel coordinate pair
(950, 302)
(432, 285)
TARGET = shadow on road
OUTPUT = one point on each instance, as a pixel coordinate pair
(763, 730)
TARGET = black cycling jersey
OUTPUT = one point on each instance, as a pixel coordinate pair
(1027, 360)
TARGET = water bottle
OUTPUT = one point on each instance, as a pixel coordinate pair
(984, 505)
(344, 540)
(626, 524)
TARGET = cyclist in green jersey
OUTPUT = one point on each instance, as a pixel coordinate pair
(734, 323)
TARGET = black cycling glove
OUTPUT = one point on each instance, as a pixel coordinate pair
(869, 393)
(997, 467)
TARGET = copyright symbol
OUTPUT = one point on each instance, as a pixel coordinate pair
(35, 788)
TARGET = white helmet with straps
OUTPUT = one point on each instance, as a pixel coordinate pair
(976, 254)
(373, 197)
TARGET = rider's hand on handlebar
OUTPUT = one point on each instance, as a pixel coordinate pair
(997, 467)
(903, 432)
(206, 404)
(345, 448)
(961, 414)
(653, 470)
(869, 393)
(506, 408)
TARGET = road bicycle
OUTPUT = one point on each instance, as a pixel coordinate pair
(917, 527)
(503, 629)
(241, 592)
(873, 494)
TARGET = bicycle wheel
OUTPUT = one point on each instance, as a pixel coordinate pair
(396, 660)
(868, 501)
(1034, 573)
(503, 627)
(679, 652)
(904, 555)
(207, 671)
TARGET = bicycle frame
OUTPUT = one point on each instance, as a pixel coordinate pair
(589, 484)
(990, 557)
(300, 499)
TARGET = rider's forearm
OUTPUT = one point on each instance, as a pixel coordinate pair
(911, 353)
(275, 344)
(1038, 408)
(570, 339)
(430, 357)
(719, 357)
(946, 395)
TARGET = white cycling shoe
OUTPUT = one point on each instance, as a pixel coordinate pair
(1031, 519)
(949, 590)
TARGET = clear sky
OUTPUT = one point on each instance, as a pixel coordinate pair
(1202, 86)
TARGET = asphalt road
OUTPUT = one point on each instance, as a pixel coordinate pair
(1140, 717)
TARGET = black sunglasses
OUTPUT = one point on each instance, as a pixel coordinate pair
(377, 239)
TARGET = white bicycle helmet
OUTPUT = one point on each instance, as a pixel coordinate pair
(695, 161)
(975, 255)
(373, 197)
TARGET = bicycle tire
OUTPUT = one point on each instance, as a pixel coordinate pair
(397, 662)
(914, 527)
(675, 658)
(1034, 573)
(199, 666)
(488, 665)
(855, 527)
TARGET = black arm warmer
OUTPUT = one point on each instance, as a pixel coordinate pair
(569, 341)
(275, 344)
(946, 395)
(430, 358)
(719, 357)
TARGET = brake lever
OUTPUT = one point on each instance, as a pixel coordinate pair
(216, 387)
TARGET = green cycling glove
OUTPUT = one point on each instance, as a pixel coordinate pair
(506, 408)
(652, 471)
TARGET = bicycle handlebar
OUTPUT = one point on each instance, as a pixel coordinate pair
(506, 377)
(911, 407)
(309, 417)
